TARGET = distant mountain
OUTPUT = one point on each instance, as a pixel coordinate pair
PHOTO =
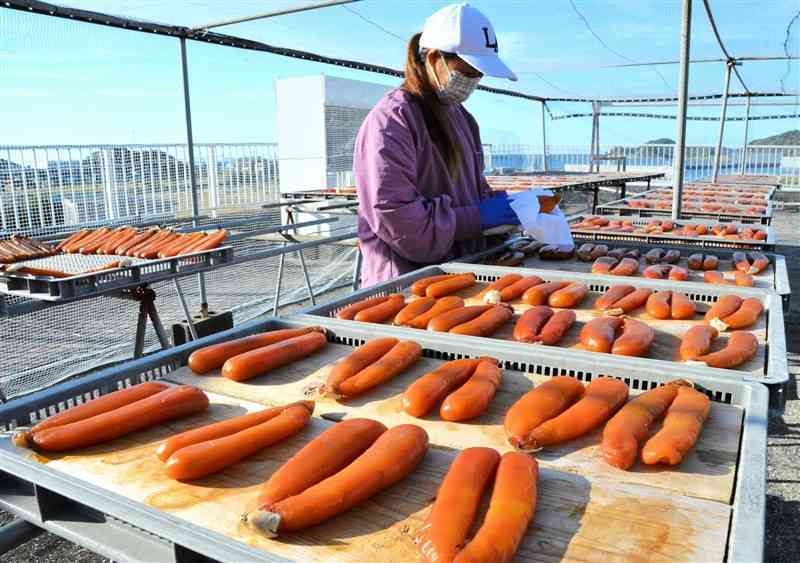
(787, 138)
(650, 149)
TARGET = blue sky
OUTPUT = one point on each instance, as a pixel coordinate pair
(70, 83)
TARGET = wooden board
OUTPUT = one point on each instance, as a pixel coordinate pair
(576, 519)
(668, 332)
(708, 472)
(765, 279)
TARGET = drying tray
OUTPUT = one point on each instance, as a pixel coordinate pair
(726, 190)
(769, 366)
(622, 207)
(667, 239)
(775, 277)
(348, 193)
(747, 180)
(712, 509)
(82, 286)
(566, 181)
(768, 191)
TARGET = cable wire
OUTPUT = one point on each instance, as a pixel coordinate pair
(786, 51)
(604, 44)
(396, 36)
(543, 79)
(731, 60)
(374, 24)
(663, 63)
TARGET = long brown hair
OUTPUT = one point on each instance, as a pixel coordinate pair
(434, 112)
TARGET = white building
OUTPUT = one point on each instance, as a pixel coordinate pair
(318, 119)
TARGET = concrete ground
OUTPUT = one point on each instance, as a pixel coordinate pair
(783, 486)
(783, 481)
(783, 448)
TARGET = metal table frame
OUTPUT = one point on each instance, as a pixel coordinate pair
(594, 184)
(782, 285)
(622, 206)
(145, 295)
(741, 179)
(668, 239)
(589, 182)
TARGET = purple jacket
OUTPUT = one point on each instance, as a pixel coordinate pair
(410, 212)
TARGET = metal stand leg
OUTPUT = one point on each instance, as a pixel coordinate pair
(357, 269)
(201, 280)
(185, 308)
(305, 275)
(147, 309)
(141, 327)
(159, 328)
(623, 190)
(278, 285)
(595, 199)
(16, 533)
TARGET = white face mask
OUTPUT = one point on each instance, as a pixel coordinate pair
(459, 86)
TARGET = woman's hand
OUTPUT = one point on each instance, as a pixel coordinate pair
(497, 211)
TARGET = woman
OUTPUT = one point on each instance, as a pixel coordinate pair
(418, 158)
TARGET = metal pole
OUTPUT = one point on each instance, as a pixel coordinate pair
(187, 107)
(591, 143)
(279, 279)
(213, 188)
(718, 154)
(163, 339)
(141, 329)
(108, 184)
(544, 139)
(186, 313)
(596, 151)
(189, 137)
(305, 275)
(746, 131)
(594, 129)
(596, 139)
(357, 269)
(683, 88)
(272, 14)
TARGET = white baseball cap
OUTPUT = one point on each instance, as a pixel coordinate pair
(463, 30)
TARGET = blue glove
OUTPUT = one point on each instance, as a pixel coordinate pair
(497, 211)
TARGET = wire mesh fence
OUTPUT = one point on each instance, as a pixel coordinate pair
(47, 189)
